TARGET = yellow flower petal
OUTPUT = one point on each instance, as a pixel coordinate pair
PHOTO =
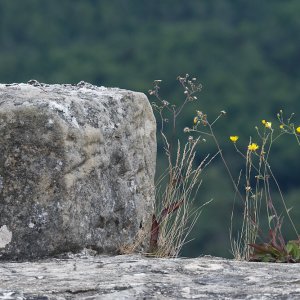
(195, 120)
(268, 125)
(253, 147)
(281, 126)
(233, 138)
(298, 129)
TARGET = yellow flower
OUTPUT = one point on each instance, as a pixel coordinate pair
(281, 126)
(267, 124)
(195, 120)
(234, 138)
(253, 147)
(298, 129)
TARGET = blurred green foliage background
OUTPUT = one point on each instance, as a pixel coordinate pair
(245, 53)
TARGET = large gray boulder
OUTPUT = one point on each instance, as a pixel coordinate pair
(77, 168)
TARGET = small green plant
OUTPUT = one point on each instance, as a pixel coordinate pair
(177, 187)
(259, 183)
(175, 203)
(258, 179)
(276, 250)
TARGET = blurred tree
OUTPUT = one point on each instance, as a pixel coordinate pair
(246, 54)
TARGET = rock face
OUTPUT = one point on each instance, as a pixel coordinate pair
(77, 168)
(137, 277)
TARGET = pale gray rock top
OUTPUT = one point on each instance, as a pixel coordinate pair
(136, 277)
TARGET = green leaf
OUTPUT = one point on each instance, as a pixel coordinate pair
(293, 249)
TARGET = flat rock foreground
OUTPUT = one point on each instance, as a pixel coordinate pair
(86, 276)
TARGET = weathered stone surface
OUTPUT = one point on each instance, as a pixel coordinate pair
(137, 277)
(76, 168)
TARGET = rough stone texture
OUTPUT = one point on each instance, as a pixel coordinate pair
(77, 167)
(136, 277)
